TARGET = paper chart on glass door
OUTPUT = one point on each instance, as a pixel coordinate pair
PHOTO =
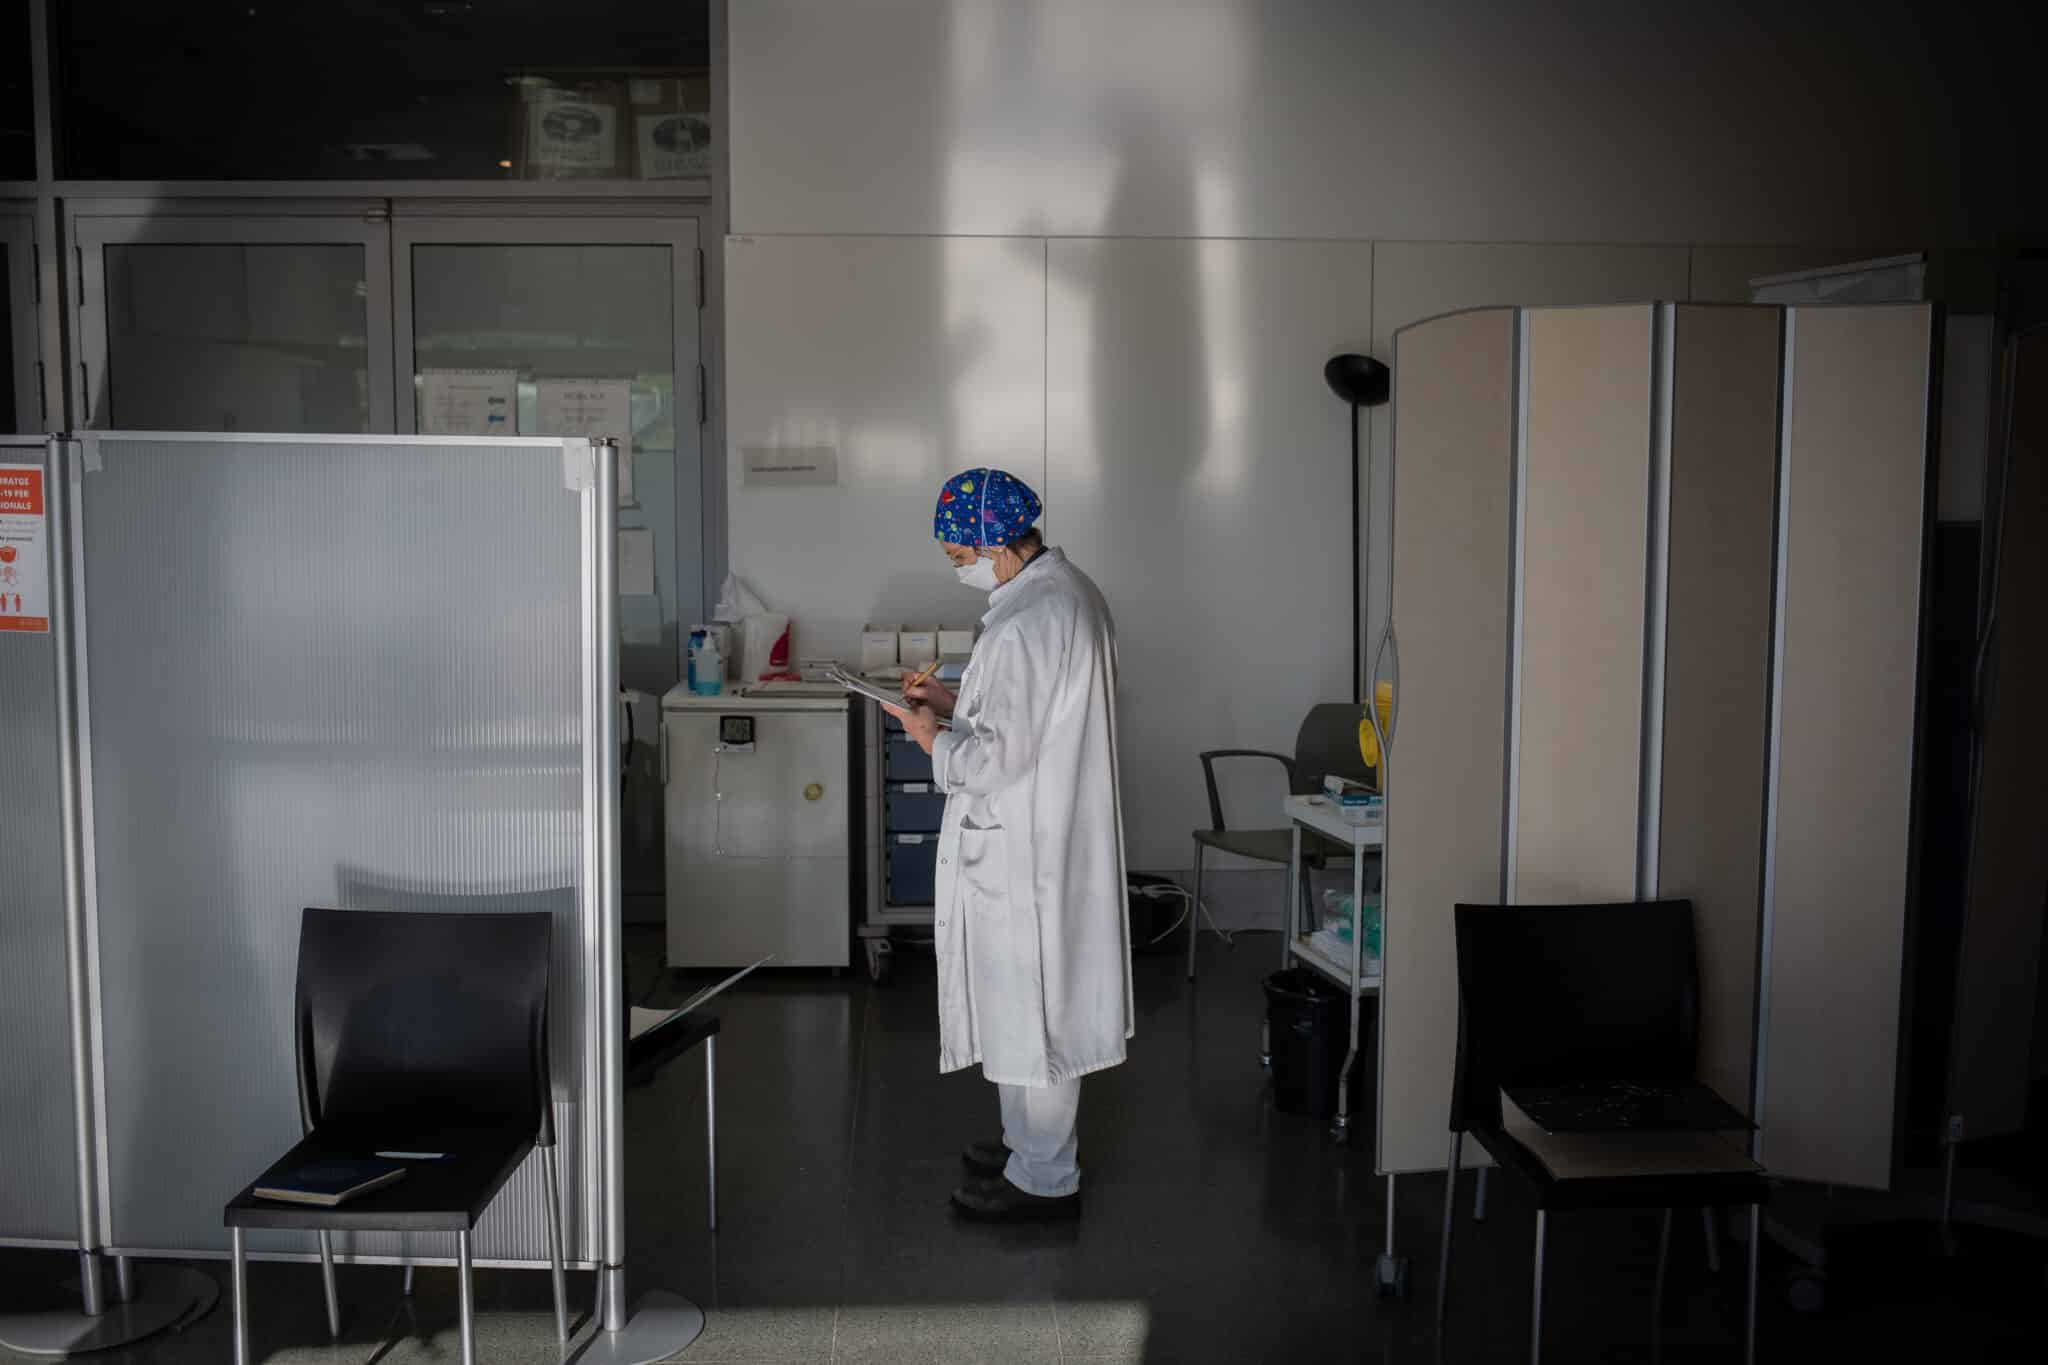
(24, 562)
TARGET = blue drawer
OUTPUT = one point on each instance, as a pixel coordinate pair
(903, 761)
(913, 810)
(913, 864)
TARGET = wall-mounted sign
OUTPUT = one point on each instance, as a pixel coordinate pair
(783, 466)
(24, 562)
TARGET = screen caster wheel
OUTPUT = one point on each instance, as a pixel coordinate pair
(1392, 1276)
(881, 961)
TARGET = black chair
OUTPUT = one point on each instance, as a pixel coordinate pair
(1576, 994)
(1326, 745)
(416, 1032)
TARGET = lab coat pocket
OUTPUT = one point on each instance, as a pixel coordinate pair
(983, 865)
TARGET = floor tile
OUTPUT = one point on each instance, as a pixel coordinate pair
(967, 1335)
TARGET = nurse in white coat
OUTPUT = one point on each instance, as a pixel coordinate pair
(1030, 916)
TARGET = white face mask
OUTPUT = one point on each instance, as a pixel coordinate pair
(981, 574)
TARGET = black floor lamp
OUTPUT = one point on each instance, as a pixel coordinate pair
(1362, 382)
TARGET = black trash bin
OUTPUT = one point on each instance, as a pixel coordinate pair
(1308, 1025)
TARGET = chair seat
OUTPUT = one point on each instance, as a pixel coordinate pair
(1664, 1190)
(1274, 845)
(448, 1195)
(663, 1043)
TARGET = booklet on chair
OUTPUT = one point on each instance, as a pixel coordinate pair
(333, 1181)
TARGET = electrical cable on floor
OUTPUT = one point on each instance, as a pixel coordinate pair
(1165, 890)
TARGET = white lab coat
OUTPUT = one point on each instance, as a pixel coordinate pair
(1031, 924)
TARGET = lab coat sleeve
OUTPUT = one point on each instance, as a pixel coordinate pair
(999, 747)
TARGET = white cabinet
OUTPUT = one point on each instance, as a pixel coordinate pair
(760, 852)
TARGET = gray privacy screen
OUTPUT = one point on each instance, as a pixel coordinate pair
(38, 1134)
(341, 672)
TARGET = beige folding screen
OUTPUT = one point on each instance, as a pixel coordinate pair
(1446, 772)
(1585, 683)
(1706, 814)
(1852, 518)
(1586, 466)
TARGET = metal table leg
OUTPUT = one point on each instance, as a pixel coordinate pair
(240, 1274)
(1392, 1270)
(1357, 999)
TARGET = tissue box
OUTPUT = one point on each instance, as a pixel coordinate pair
(917, 646)
(877, 648)
(955, 644)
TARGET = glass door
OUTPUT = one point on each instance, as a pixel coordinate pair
(567, 326)
(21, 407)
(207, 322)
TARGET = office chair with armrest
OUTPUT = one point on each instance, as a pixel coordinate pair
(418, 1032)
(1581, 995)
(1326, 744)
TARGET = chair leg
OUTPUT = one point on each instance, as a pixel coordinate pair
(550, 1167)
(1536, 1298)
(468, 1299)
(1713, 1241)
(240, 1277)
(1657, 1294)
(1479, 1201)
(711, 1122)
(327, 1284)
(1443, 1258)
(1756, 1242)
(1195, 913)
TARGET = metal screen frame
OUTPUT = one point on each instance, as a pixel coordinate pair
(596, 1215)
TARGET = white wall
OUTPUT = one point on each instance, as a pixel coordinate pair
(1477, 120)
(926, 187)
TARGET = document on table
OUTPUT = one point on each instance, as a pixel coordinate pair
(644, 1021)
(469, 403)
(597, 408)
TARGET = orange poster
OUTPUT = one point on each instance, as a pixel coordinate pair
(24, 554)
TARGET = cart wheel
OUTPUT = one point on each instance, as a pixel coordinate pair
(881, 961)
(1807, 1293)
(1393, 1276)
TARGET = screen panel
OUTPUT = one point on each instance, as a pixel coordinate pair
(1717, 660)
(38, 1129)
(1452, 597)
(1584, 561)
(1853, 509)
(342, 672)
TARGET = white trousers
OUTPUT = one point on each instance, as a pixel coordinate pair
(1038, 1128)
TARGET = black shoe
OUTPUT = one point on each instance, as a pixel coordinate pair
(998, 1201)
(986, 1158)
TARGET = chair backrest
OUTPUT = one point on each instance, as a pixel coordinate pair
(1327, 745)
(1552, 994)
(423, 1021)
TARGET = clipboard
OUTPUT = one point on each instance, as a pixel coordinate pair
(853, 682)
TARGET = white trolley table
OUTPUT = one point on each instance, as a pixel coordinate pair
(1325, 817)
(1322, 815)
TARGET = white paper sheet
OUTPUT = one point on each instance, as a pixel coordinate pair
(636, 563)
(589, 407)
(469, 403)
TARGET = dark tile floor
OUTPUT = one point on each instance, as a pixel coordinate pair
(1216, 1229)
